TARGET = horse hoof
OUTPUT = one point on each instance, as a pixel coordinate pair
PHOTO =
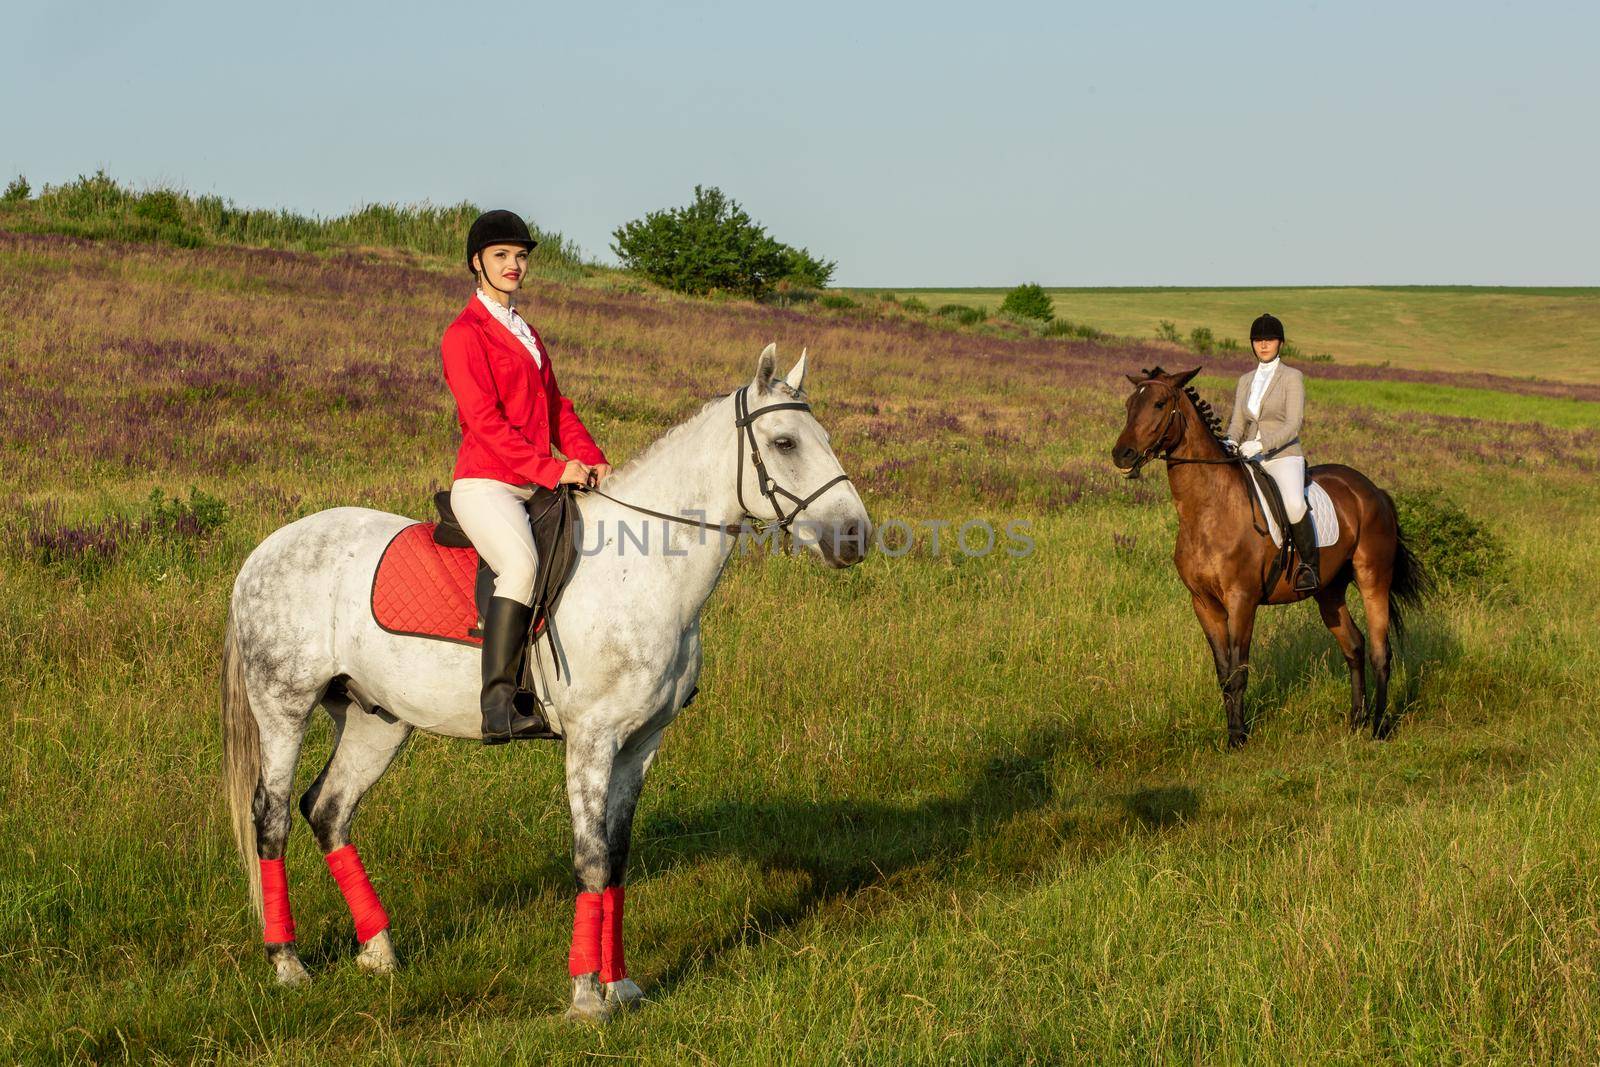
(289, 970)
(377, 955)
(589, 1003)
(625, 994)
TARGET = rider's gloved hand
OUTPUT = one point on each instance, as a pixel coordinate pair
(1232, 445)
(1250, 449)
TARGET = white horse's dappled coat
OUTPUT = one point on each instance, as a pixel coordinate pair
(301, 632)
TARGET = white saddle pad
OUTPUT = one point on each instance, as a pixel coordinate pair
(1323, 517)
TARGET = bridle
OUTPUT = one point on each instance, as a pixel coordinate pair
(744, 420)
(1159, 450)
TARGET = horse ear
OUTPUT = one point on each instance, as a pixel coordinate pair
(1134, 378)
(797, 373)
(1182, 377)
(765, 366)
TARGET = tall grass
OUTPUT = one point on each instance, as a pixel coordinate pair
(931, 809)
(97, 206)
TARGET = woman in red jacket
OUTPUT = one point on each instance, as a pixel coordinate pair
(513, 418)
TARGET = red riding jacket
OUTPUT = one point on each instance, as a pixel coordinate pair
(510, 409)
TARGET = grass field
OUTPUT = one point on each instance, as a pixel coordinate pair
(930, 809)
(1541, 333)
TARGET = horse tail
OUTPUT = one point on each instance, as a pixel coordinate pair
(241, 758)
(1409, 582)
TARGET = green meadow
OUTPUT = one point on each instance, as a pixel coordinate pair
(936, 808)
(1517, 332)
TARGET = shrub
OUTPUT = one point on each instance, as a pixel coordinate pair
(713, 243)
(966, 316)
(1229, 344)
(914, 305)
(1201, 341)
(836, 301)
(1168, 331)
(17, 189)
(1452, 545)
(1064, 328)
(1029, 301)
(803, 268)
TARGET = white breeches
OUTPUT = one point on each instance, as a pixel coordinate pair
(1290, 474)
(492, 514)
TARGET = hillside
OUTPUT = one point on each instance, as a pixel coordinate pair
(934, 808)
(1551, 334)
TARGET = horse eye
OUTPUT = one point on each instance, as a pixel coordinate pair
(1160, 404)
(783, 444)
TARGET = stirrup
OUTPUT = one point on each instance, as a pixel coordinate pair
(520, 725)
(1306, 579)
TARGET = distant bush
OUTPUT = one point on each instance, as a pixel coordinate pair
(1201, 341)
(1168, 331)
(1229, 344)
(1064, 328)
(966, 316)
(1029, 301)
(98, 207)
(836, 301)
(805, 269)
(914, 305)
(713, 244)
(17, 189)
(1452, 545)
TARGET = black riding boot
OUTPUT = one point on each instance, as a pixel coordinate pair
(505, 635)
(1306, 579)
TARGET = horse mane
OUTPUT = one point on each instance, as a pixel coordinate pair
(1208, 417)
(635, 461)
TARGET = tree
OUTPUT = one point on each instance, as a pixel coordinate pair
(713, 243)
(1029, 301)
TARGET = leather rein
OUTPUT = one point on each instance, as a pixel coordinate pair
(1164, 452)
(744, 420)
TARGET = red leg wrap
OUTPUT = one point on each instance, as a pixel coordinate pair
(585, 955)
(365, 908)
(279, 924)
(612, 969)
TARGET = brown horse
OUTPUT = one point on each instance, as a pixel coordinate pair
(1226, 559)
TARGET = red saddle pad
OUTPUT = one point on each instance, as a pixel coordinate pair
(423, 589)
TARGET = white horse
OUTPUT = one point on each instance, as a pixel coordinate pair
(301, 633)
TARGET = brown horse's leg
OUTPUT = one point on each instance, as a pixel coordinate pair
(1214, 621)
(1374, 581)
(1336, 616)
(1241, 626)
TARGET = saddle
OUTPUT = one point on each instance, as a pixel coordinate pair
(553, 517)
(1273, 499)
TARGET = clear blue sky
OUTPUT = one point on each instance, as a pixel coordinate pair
(972, 144)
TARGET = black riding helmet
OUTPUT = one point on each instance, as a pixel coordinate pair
(498, 227)
(1266, 328)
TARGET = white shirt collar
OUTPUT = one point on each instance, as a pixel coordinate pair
(508, 317)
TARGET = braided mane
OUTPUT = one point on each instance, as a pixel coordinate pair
(1208, 417)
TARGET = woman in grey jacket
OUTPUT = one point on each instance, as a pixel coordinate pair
(1268, 407)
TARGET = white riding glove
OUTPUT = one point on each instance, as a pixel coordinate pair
(1250, 449)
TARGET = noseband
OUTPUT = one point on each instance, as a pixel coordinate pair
(744, 420)
(1156, 447)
